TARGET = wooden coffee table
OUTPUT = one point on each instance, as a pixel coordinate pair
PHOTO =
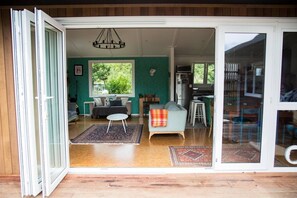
(117, 117)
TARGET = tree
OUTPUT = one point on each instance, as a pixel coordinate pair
(101, 72)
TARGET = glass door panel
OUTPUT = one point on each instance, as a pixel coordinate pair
(286, 130)
(243, 97)
(52, 94)
(23, 31)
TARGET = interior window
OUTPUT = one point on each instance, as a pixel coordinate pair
(110, 77)
(204, 73)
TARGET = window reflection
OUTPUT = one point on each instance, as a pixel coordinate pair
(286, 136)
(289, 68)
(243, 97)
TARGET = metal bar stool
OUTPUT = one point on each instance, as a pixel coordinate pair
(191, 107)
(198, 111)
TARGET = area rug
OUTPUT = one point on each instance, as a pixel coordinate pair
(116, 135)
(201, 156)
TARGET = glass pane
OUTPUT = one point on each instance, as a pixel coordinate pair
(210, 74)
(198, 73)
(243, 97)
(54, 78)
(289, 68)
(286, 136)
(34, 80)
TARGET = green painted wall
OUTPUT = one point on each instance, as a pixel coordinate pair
(144, 83)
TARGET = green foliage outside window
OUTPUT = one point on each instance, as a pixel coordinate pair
(198, 73)
(211, 74)
(111, 78)
(204, 73)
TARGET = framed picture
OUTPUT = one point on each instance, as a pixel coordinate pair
(78, 70)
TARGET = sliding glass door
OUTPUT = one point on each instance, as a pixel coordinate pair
(286, 92)
(243, 97)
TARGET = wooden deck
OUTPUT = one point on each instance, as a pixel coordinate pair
(262, 185)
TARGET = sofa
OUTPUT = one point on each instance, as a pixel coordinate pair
(176, 121)
(107, 106)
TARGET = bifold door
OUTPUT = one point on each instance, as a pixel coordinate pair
(40, 67)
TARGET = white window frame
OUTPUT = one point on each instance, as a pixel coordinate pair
(252, 94)
(90, 62)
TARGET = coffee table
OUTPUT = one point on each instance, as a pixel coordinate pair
(117, 117)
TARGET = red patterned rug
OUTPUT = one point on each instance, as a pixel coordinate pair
(201, 156)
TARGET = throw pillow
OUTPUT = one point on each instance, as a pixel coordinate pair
(113, 97)
(115, 103)
(106, 102)
(98, 102)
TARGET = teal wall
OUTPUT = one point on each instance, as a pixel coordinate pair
(144, 83)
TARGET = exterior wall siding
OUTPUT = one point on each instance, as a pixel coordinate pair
(9, 163)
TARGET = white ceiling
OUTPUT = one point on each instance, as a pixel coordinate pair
(144, 42)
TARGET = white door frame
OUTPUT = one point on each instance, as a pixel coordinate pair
(218, 23)
(185, 22)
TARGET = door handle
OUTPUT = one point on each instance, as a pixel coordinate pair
(49, 97)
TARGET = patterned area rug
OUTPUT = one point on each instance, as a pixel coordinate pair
(201, 156)
(116, 135)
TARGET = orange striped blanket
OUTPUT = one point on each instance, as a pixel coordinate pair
(159, 117)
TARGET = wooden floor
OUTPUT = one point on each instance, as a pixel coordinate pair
(243, 185)
(150, 153)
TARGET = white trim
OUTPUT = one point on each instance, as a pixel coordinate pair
(153, 171)
(165, 21)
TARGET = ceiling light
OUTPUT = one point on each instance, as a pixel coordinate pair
(108, 39)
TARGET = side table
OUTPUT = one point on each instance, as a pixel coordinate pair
(87, 103)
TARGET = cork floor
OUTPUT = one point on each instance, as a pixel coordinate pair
(149, 153)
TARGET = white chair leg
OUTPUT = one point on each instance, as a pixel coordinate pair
(194, 113)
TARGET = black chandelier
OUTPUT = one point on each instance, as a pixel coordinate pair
(108, 39)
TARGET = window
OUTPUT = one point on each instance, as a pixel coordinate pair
(111, 77)
(254, 80)
(204, 73)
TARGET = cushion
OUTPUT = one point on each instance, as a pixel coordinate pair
(115, 103)
(113, 97)
(106, 102)
(169, 103)
(109, 98)
(124, 101)
(171, 106)
(98, 102)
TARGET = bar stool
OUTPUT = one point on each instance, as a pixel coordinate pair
(191, 106)
(198, 111)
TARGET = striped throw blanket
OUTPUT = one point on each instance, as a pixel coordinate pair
(159, 117)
